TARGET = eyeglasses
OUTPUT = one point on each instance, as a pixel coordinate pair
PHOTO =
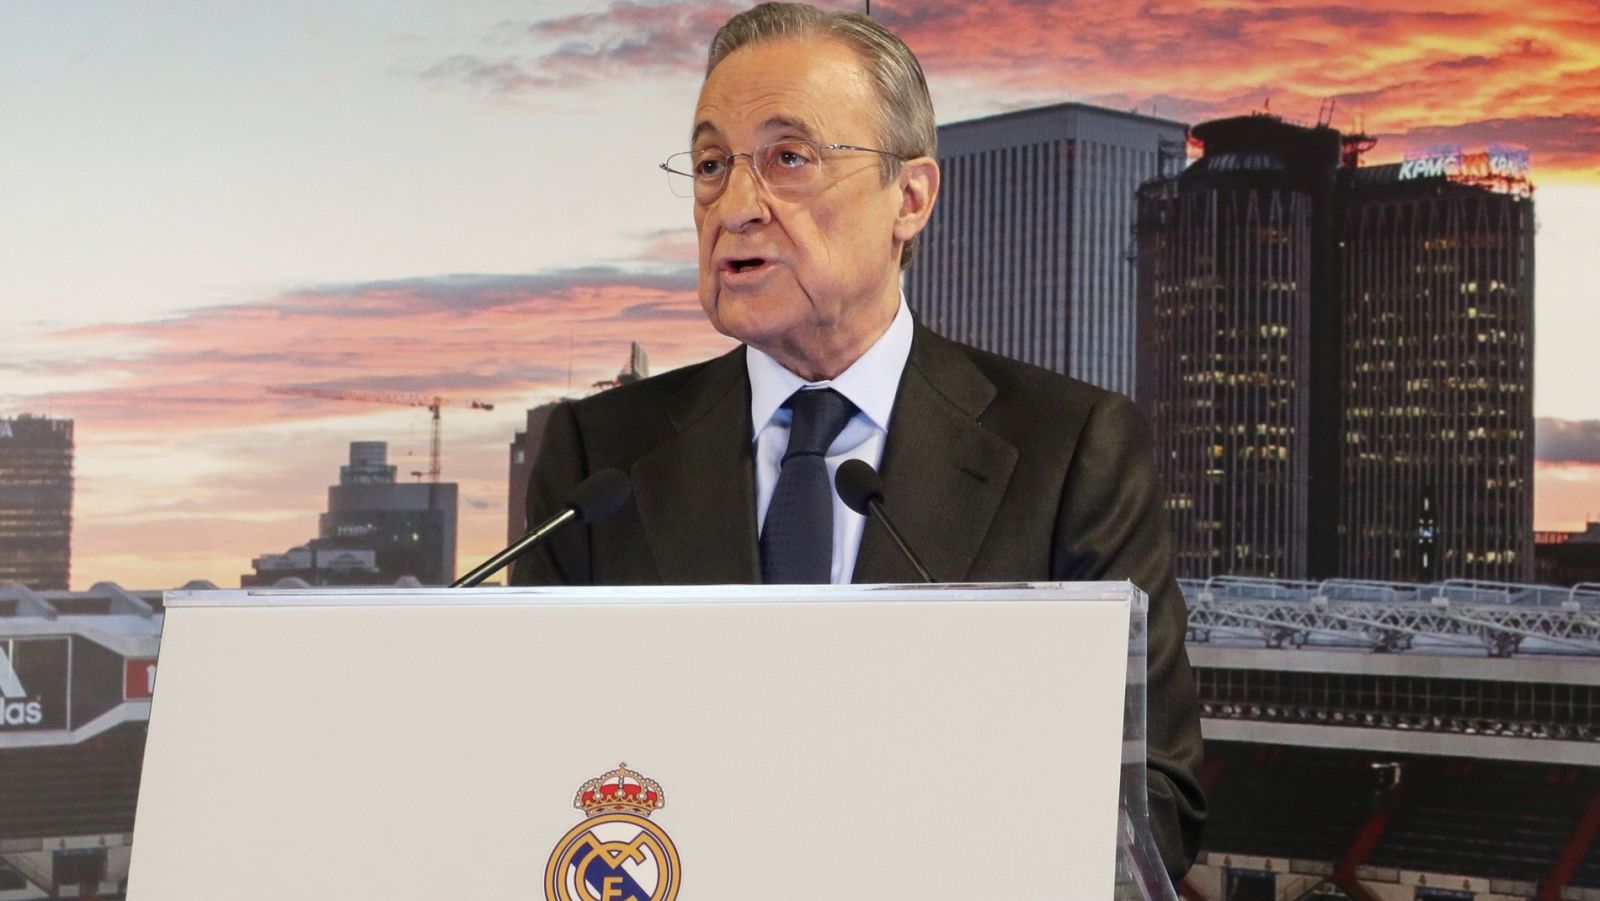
(789, 168)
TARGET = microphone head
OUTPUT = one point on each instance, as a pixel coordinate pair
(600, 496)
(858, 484)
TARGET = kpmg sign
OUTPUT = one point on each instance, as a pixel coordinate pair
(1494, 163)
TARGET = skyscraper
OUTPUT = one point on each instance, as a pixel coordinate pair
(375, 531)
(1436, 424)
(36, 502)
(1028, 251)
(1337, 360)
(1228, 254)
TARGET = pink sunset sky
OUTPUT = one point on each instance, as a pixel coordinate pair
(462, 201)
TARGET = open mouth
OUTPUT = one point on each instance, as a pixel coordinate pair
(745, 265)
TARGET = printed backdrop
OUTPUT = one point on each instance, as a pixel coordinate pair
(199, 202)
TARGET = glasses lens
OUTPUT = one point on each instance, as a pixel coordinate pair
(784, 166)
(679, 168)
(710, 173)
(709, 165)
(790, 164)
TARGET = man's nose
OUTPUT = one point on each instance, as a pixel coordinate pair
(743, 202)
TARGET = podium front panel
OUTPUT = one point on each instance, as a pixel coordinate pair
(851, 743)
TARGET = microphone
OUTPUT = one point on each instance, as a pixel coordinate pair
(861, 489)
(596, 499)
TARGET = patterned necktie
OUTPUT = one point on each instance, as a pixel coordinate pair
(797, 540)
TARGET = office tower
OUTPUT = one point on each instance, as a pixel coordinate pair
(36, 502)
(1437, 370)
(411, 527)
(1337, 361)
(1028, 253)
(1228, 275)
(375, 530)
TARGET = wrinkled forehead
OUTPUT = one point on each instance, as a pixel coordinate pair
(810, 88)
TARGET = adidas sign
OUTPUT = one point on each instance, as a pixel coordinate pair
(15, 707)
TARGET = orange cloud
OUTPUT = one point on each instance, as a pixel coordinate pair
(467, 336)
(1414, 73)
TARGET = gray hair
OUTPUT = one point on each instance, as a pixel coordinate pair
(905, 116)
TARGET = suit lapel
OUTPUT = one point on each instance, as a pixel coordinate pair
(696, 492)
(944, 474)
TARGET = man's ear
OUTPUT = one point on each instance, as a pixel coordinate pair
(919, 188)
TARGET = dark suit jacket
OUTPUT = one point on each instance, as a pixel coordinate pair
(996, 471)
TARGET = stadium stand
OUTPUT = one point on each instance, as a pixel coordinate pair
(84, 789)
(1263, 796)
(1333, 811)
(1384, 741)
(1485, 818)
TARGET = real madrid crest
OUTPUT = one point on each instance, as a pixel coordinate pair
(616, 853)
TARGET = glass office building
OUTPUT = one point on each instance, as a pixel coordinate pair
(1028, 253)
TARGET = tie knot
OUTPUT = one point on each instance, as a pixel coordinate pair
(820, 414)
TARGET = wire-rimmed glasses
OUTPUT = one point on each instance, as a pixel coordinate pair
(789, 168)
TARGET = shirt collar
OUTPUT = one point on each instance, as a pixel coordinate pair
(870, 383)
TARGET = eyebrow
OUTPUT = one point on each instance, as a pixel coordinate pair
(775, 123)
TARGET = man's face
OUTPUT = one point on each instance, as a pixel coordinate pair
(812, 279)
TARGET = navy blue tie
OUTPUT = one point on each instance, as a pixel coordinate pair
(797, 539)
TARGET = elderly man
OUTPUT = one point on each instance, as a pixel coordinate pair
(812, 171)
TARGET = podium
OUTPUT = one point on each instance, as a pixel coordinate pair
(601, 744)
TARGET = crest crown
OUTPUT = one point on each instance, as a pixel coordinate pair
(620, 791)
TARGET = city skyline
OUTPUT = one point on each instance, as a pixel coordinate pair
(462, 200)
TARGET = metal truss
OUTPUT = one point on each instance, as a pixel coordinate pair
(1500, 618)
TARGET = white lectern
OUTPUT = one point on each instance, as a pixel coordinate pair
(706, 743)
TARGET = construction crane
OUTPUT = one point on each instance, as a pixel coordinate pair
(404, 400)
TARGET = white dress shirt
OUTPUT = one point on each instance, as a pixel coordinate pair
(870, 383)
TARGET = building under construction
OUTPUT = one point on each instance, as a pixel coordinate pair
(1337, 359)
